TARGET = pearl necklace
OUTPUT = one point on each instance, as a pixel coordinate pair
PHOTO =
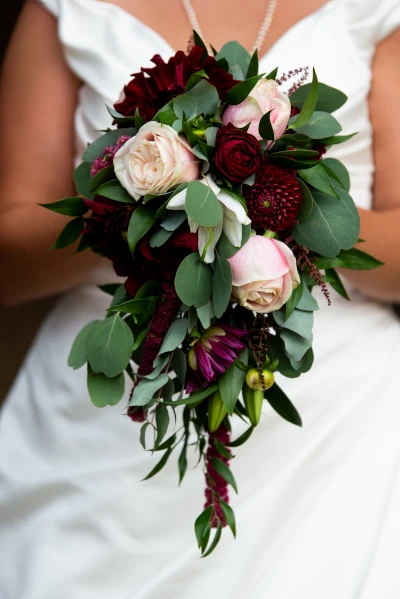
(265, 25)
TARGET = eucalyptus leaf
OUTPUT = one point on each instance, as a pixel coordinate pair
(78, 355)
(141, 221)
(202, 205)
(329, 98)
(337, 168)
(306, 202)
(318, 178)
(293, 300)
(174, 336)
(295, 345)
(203, 98)
(193, 281)
(195, 397)
(235, 54)
(206, 314)
(319, 125)
(221, 286)
(299, 322)
(159, 237)
(307, 301)
(105, 391)
(231, 383)
(144, 391)
(173, 219)
(109, 346)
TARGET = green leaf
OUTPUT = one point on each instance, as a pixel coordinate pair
(139, 122)
(119, 118)
(105, 174)
(307, 301)
(282, 405)
(145, 390)
(306, 202)
(166, 115)
(105, 391)
(160, 465)
(206, 314)
(272, 74)
(265, 128)
(78, 355)
(318, 178)
(293, 300)
(82, 245)
(143, 434)
(229, 516)
(114, 191)
(242, 439)
(195, 78)
(338, 170)
(173, 219)
(215, 541)
(202, 525)
(68, 206)
(298, 153)
(199, 42)
(182, 463)
(179, 365)
(320, 125)
(329, 98)
(193, 281)
(336, 139)
(231, 383)
(111, 288)
(336, 283)
(299, 322)
(221, 286)
(309, 104)
(357, 260)
(109, 346)
(331, 226)
(162, 422)
(211, 135)
(95, 149)
(202, 205)
(136, 306)
(220, 447)
(82, 180)
(142, 219)
(170, 441)
(224, 471)
(195, 397)
(159, 238)
(235, 54)
(70, 233)
(241, 90)
(174, 336)
(203, 98)
(296, 346)
(226, 249)
(252, 71)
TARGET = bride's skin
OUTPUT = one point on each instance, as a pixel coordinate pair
(37, 103)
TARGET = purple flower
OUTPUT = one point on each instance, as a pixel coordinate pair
(213, 354)
(107, 157)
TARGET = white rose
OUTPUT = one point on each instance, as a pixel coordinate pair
(156, 160)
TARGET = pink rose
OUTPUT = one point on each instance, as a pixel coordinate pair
(155, 161)
(265, 96)
(264, 274)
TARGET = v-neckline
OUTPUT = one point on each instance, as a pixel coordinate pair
(160, 39)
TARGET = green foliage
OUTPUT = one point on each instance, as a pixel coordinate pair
(203, 98)
(332, 225)
(320, 125)
(104, 175)
(307, 301)
(142, 219)
(160, 465)
(162, 423)
(114, 191)
(241, 90)
(355, 259)
(329, 98)
(309, 104)
(82, 180)
(193, 281)
(70, 233)
(339, 172)
(252, 71)
(109, 346)
(195, 78)
(202, 205)
(282, 405)
(195, 397)
(336, 139)
(215, 541)
(69, 206)
(95, 149)
(174, 336)
(231, 383)
(299, 322)
(206, 314)
(318, 178)
(306, 202)
(265, 128)
(229, 516)
(272, 74)
(159, 237)
(202, 525)
(105, 391)
(294, 300)
(78, 354)
(221, 286)
(235, 55)
(242, 439)
(224, 471)
(199, 42)
(145, 390)
(337, 283)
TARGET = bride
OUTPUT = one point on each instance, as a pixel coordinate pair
(318, 510)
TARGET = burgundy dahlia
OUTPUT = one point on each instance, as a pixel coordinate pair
(152, 88)
(213, 354)
(238, 154)
(274, 200)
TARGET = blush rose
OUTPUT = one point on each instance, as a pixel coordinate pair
(264, 274)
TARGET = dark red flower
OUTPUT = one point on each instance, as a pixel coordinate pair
(152, 88)
(274, 200)
(238, 154)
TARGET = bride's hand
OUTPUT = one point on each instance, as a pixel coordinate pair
(37, 105)
(381, 226)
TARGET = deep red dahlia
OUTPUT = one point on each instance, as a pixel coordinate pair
(274, 200)
(152, 88)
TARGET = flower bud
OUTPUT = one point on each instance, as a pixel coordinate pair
(253, 401)
(192, 361)
(216, 412)
(259, 381)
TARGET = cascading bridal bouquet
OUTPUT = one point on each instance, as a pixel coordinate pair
(214, 200)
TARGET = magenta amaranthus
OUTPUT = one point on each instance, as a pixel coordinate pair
(214, 200)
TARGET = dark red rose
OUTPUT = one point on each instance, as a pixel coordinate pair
(152, 88)
(238, 154)
(274, 200)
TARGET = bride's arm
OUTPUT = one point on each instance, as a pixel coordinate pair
(37, 104)
(381, 226)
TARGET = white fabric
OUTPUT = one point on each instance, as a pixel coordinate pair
(318, 510)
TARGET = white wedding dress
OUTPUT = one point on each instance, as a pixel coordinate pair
(318, 510)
